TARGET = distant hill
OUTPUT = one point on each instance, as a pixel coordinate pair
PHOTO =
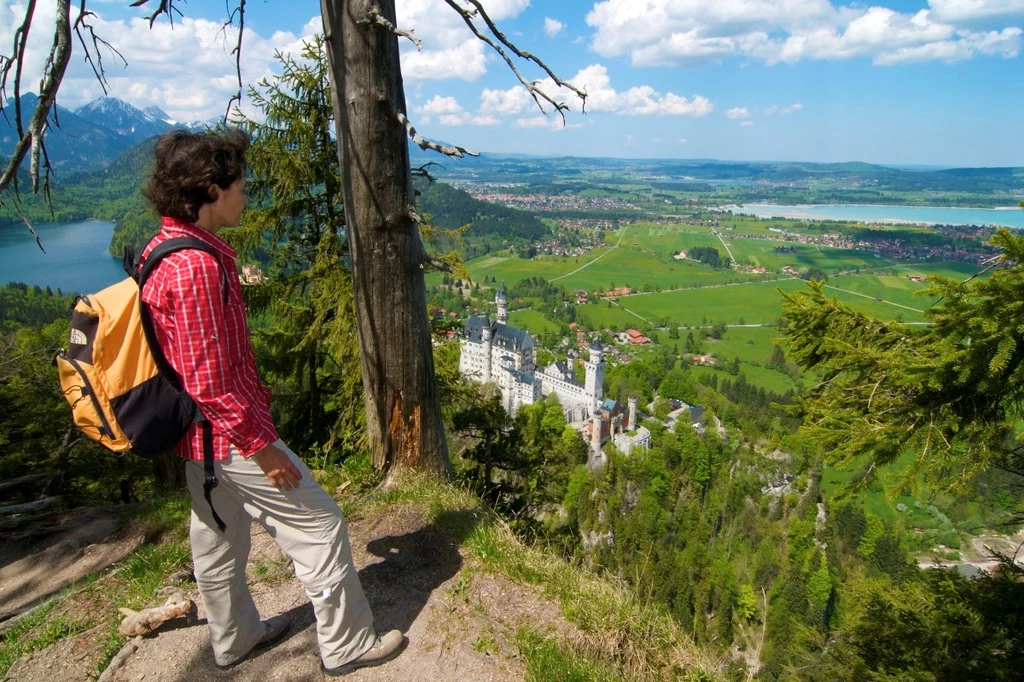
(519, 168)
(452, 208)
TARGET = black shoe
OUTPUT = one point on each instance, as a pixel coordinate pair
(277, 628)
(387, 647)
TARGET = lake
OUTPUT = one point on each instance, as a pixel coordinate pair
(76, 258)
(1010, 217)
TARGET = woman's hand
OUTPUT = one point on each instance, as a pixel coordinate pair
(278, 467)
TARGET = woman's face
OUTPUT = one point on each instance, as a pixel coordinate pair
(227, 209)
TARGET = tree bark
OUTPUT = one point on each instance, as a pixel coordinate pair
(403, 411)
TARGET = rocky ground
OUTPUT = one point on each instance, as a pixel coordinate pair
(460, 622)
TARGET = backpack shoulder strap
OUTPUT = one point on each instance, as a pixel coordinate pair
(141, 275)
(166, 248)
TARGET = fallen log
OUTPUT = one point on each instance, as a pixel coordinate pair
(147, 620)
(27, 481)
(29, 507)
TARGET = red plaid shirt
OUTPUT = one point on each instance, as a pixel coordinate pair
(206, 341)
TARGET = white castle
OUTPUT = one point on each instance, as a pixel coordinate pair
(495, 352)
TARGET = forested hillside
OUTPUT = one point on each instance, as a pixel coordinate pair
(489, 223)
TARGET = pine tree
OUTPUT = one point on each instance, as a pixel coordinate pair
(951, 392)
(312, 350)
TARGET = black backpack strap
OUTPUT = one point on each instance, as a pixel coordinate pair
(141, 273)
(210, 480)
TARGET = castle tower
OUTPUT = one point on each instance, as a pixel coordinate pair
(595, 433)
(501, 299)
(631, 424)
(485, 337)
(594, 385)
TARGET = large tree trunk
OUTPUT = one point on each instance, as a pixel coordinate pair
(403, 410)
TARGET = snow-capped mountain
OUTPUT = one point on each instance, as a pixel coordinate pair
(92, 136)
(78, 144)
(125, 119)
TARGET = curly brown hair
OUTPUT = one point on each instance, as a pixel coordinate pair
(187, 164)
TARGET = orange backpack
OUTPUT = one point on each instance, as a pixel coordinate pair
(123, 392)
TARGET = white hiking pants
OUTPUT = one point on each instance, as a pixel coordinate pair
(307, 524)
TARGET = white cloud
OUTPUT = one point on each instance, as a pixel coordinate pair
(694, 32)
(449, 49)
(976, 10)
(640, 100)
(450, 113)
(682, 140)
(746, 123)
(554, 123)
(737, 112)
(552, 27)
(533, 122)
(195, 88)
(791, 109)
(441, 105)
(506, 102)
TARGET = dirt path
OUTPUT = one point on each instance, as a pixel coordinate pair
(460, 622)
(41, 558)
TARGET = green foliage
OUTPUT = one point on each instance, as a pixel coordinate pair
(547, 661)
(22, 305)
(746, 603)
(37, 434)
(816, 274)
(936, 627)
(305, 333)
(951, 392)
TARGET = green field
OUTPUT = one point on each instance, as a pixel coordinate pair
(600, 316)
(755, 303)
(532, 321)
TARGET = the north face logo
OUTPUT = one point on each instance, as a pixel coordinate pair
(78, 337)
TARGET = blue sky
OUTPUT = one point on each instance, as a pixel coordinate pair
(902, 82)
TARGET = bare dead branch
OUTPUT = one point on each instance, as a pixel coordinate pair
(424, 172)
(424, 143)
(165, 7)
(17, 207)
(402, 33)
(532, 87)
(82, 24)
(239, 12)
(53, 73)
(16, 60)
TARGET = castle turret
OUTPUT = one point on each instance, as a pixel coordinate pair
(501, 300)
(485, 338)
(595, 433)
(631, 424)
(594, 385)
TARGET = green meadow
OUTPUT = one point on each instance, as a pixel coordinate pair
(533, 321)
(755, 303)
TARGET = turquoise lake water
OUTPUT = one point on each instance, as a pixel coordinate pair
(1011, 217)
(76, 258)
